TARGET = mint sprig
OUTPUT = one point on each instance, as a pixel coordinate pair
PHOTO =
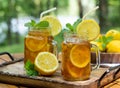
(72, 28)
(30, 24)
(104, 40)
(41, 24)
(29, 68)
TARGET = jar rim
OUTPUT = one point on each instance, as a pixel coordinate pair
(73, 35)
(40, 27)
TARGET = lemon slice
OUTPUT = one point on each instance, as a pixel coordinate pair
(54, 24)
(35, 44)
(88, 28)
(74, 71)
(79, 73)
(46, 63)
(80, 56)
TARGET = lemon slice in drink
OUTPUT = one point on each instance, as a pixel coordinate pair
(54, 24)
(34, 44)
(46, 63)
(80, 56)
(88, 28)
(74, 71)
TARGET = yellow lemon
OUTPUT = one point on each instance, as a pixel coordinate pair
(114, 33)
(54, 24)
(113, 46)
(46, 63)
(88, 28)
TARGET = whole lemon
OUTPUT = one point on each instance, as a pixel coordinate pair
(113, 46)
(114, 33)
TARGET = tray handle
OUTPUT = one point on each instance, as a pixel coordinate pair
(3, 53)
(108, 71)
(117, 71)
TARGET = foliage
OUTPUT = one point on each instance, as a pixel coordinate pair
(14, 48)
(114, 13)
(29, 67)
(59, 38)
(12, 9)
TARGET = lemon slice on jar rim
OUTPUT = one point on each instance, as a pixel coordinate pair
(55, 24)
(88, 28)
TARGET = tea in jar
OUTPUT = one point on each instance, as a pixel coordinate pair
(76, 58)
(38, 40)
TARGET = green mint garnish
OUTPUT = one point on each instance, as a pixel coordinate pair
(30, 24)
(29, 67)
(41, 24)
(104, 40)
(76, 23)
(72, 28)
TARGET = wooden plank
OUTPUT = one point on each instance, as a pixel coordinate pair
(7, 86)
(3, 85)
(115, 84)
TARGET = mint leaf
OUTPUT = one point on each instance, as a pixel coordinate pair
(29, 67)
(42, 24)
(76, 23)
(30, 24)
(104, 40)
(103, 46)
(110, 38)
(70, 27)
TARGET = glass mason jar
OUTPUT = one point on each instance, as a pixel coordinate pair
(76, 57)
(38, 40)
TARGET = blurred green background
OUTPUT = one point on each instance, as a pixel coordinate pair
(15, 13)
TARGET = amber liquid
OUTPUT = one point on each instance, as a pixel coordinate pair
(35, 42)
(69, 70)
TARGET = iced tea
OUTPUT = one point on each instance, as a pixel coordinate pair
(75, 59)
(37, 41)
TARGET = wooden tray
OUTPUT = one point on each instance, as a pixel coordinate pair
(14, 73)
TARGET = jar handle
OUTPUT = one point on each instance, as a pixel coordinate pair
(54, 43)
(97, 52)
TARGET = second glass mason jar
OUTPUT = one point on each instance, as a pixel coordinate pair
(38, 40)
(76, 57)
